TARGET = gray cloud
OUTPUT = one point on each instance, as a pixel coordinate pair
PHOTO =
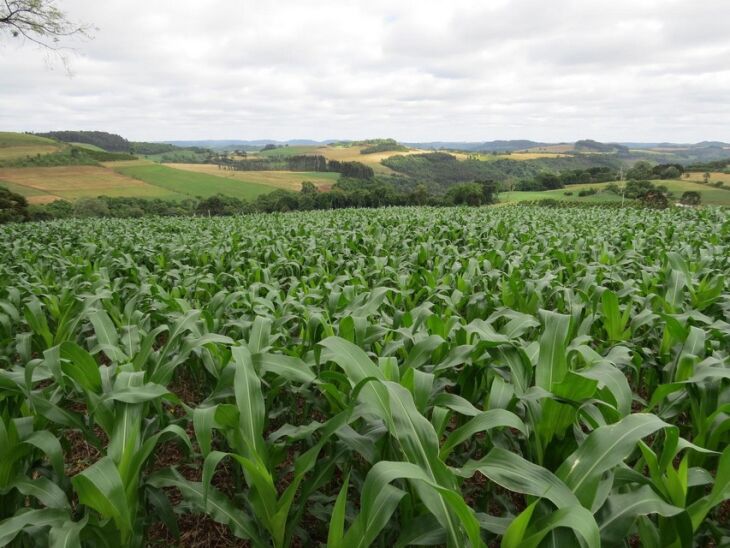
(414, 70)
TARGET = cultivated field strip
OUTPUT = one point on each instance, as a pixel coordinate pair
(75, 182)
(408, 376)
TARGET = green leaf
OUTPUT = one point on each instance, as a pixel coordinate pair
(613, 320)
(67, 534)
(9, 528)
(552, 364)
(378, 500)
(351, 359)
(494, 418)
(720, 492)
(603, 449)
(337, 519)
(286, 367)
(514, 473)
(36, 318)
(106, 335)
(420, 354)
(576, 518)
(51, 447)
(620, 512)
(82, 367)
(43, 489)
(258, 339)
(216, 505)
(100, 487)
(514, 535)
(249, 401)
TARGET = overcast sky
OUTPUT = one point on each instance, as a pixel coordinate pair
(554, 70)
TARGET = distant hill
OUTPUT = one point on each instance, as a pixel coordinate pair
(589, 145)
(254, 144)
(701, 144)
(487, 146)
(712, 144)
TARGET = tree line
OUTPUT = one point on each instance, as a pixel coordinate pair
(72, 156)
(303, 162)
(382, 145)
(640, 171)
(439, 170)
(102, 139)
(345, 193)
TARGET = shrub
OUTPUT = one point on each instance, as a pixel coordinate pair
(691, 197)
(655, 200)
(466, 194)
(614, 188)
(13, 207)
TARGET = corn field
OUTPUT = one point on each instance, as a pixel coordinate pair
(513, 377)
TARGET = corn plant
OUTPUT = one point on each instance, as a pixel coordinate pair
(412, 376)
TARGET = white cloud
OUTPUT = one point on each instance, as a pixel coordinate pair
(414, 70)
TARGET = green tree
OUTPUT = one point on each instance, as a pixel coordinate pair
(308, 187)
(465, 194)
(637, 189)
(489, 191)
(13, 207)
(420, 195)
(613, 188)
(640, 171)
(549, 181)
(691, 197)
(671, 173)
(655, 199)
(92, 207)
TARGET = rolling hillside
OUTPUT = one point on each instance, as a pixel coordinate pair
(289, 180)
(176, 181)
(45, 184)
(20, 145)
(189, 183)
(340, 153)
(709, 194)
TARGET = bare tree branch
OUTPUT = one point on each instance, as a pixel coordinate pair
(39, 21)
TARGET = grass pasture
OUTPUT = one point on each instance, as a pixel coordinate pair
(288, 151)
(710, 195)
(33, 195)
(559, 148)
(45, 184)
(534, 155)
(352, 154)
(14, 153)
(289, 180)
(125, 163)
(87, 146)
(347, 154)
(176, 156)
(12, 139)
(559, 194)
(20, 145)
(714, 176)
(516, 156)
(190, 183)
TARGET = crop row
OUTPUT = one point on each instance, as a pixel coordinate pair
(408, 376)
